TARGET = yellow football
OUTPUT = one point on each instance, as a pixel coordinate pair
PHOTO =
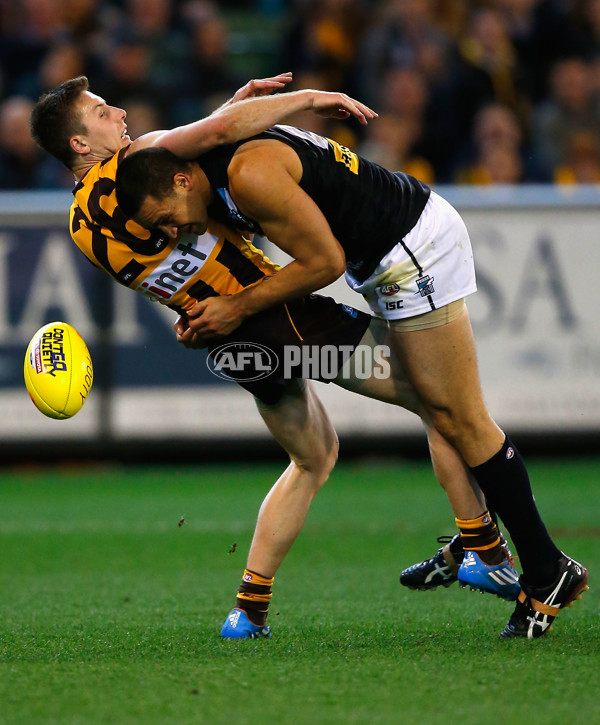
(58, 370)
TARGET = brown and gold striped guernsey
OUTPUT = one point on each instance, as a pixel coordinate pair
(173, 272)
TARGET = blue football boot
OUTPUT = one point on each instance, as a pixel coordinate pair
(238, 626)
(500, 579)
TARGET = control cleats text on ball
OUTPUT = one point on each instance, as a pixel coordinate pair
(440, 570)
(537, 607)
(499, 579)
(238, 626)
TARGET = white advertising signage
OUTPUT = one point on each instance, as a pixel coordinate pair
(535, 318)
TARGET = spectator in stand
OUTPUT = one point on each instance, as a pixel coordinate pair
(126, 69)
(142, 117)
(487, 69)
(63, 61)
(174, 55)
(417, 35)
(494, 165)
(539, 33)
(343, 133)
(389, 143)
(89, 21)
(584, 23)
(39, 25)
(582, 160)
(452, 17)
(396, 38)
(404, 94)
(497, 153)
(20, 164)
(206, 78)
(142, 56)
(19, 155)
(572, 106)
(324, 36)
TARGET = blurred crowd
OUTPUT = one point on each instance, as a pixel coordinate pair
(467, 91)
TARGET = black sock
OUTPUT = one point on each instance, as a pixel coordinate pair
(505, 484)
(492, 513)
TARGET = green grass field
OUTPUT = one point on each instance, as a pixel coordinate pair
(110, 610)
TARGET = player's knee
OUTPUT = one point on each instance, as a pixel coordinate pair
(452, 426)
(320, 458)
(331, 454)
(324, 458)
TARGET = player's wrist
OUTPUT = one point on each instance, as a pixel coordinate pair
(248, 302)
(306, 99)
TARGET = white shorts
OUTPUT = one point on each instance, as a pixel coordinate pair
(431, 267)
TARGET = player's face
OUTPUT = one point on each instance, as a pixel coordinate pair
(106, 127)
(182, 212)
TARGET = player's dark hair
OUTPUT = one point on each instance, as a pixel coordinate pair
(54, 119)
(148, 172)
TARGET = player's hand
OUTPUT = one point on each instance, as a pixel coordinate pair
(215, 317)
(185, 335)
(261, 87)
(339, 105)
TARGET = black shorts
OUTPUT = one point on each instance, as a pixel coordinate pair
(267, 338)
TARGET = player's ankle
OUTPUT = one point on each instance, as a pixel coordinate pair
(254, 595)
(449, 559)
(481, 535)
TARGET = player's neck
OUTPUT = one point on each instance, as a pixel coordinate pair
(85, 163)
(203, 183)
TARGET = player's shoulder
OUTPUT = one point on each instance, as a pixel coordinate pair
(257, 160)
(145, 141)
(102, 170)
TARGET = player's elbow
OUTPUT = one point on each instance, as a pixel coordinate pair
(340, 266)
(333, 267)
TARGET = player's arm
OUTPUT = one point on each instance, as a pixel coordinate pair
(265, 187)
(248, 117)
(259, 87)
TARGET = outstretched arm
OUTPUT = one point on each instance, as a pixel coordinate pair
(238, 120)
(259, 87)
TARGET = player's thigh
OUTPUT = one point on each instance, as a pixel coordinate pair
(441, 364)
(374, 372)
(300, 424)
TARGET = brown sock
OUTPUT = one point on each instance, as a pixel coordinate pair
(481, 535)
(254, 595)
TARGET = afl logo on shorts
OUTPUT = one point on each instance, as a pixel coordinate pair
(388, 290)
